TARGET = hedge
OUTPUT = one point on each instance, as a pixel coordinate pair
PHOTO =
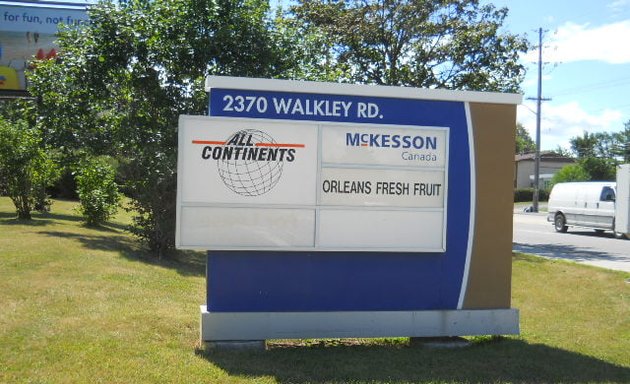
(527, 194)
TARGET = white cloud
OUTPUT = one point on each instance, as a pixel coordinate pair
(618, 5)
(582, 42)
(561, 122)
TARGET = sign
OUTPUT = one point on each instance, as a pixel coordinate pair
(337, 210)
(251, 184)
(28, 31)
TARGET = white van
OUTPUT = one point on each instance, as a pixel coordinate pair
(583, 204)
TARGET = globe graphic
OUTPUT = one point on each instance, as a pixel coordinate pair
(250, 177)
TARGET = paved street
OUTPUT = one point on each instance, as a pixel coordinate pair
(533, 234)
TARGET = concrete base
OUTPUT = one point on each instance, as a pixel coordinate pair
(247, 326)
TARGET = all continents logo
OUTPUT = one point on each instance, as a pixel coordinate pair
(250, 162)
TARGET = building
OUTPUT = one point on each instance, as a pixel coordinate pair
(550, 164)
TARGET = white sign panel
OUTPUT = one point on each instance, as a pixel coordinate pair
(287, 185)
(247, 227)
(382, 188)
(384, 145)
(373, 229)
(247, 162)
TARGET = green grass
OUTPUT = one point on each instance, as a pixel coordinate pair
(86, 305)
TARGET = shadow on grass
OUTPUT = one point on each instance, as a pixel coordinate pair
(8, 215)
(48, 218)
(506, 360)
(187, 263)
(38, 218)
(12, 219)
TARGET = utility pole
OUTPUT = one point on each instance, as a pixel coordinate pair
(539, 99)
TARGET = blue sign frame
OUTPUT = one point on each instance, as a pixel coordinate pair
(243, 281)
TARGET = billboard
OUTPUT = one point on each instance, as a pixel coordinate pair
(28, 31)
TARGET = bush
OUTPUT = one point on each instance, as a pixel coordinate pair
(527, 194)
(97, 190)
(26, 168)
(572, 172)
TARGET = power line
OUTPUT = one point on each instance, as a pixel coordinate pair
(594, 86)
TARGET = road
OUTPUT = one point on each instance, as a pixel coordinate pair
(533, 234)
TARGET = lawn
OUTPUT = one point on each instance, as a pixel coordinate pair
(86, 305)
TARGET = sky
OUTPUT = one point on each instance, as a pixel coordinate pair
(586, 72)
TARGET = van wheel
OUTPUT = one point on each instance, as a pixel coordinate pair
(559, 223)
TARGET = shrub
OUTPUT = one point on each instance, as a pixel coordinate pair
(26, 168)
(97, 190)
(527, 194)
(572, 172)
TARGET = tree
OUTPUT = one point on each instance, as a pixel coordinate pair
(599, 153)
(524, 142)
(562, 151)
(121, 82)
(599, 169)
(309, 49)
(572, 172)
(621, 147)
(600, 144)
(453, 44)
(26, 169)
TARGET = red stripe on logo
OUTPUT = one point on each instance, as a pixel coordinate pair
(208, 142)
